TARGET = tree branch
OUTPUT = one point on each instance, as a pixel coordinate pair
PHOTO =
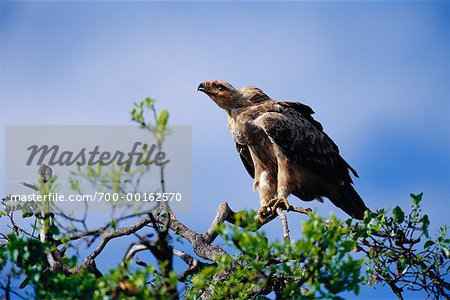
(284, 221)
(193, 264)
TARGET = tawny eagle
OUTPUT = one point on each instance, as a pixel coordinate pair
(285, 150)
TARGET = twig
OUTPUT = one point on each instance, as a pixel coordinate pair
(201, 247)
(132, 250)
(193, 264)
(83, 234)
(29, 185)
(225, 213)
(109, 235)
(284, 221)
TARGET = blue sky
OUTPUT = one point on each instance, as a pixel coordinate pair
(376, 73)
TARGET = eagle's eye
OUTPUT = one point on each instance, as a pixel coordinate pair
(219, 86)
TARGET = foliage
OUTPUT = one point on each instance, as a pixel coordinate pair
(401, 253)
(26, 258)
(331, 257)
(319, 265)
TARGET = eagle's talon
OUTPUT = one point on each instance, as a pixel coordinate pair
(278, 202)
(263, 214)
(267, 210)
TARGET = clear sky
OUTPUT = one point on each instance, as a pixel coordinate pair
(376, 73)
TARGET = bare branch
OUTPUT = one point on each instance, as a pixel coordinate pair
(200, 246)
(109, 235)
(82, 234)
(284, 221)
(132, 250)
(29, 185)
(193, 263)
(224, 213)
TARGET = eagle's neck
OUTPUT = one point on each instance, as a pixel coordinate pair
(233, 112)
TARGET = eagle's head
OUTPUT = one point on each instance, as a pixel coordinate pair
(224, 94)
(254, 94)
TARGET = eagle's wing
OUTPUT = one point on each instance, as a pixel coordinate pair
(246, 158)
(302, 139)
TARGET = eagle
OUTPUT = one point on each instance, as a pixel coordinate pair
(285, 150)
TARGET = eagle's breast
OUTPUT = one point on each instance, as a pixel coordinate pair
(244, 130)
(236, 132)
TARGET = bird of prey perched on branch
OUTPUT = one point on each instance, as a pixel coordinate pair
(285, 150)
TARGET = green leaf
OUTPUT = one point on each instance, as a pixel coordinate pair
(425, 223)
(348, 245)
(26, 214)
(54, 229)
(149, 102)
(24, 282)
(428, 244)
(114, 223)
(399, 215)
(162, 118)
(416, 198)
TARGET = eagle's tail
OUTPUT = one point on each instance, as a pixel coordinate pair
(346, 198)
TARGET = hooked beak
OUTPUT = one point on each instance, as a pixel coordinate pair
(202, 87)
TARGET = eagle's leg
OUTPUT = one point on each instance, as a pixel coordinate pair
(282, 186)
(267, 186)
